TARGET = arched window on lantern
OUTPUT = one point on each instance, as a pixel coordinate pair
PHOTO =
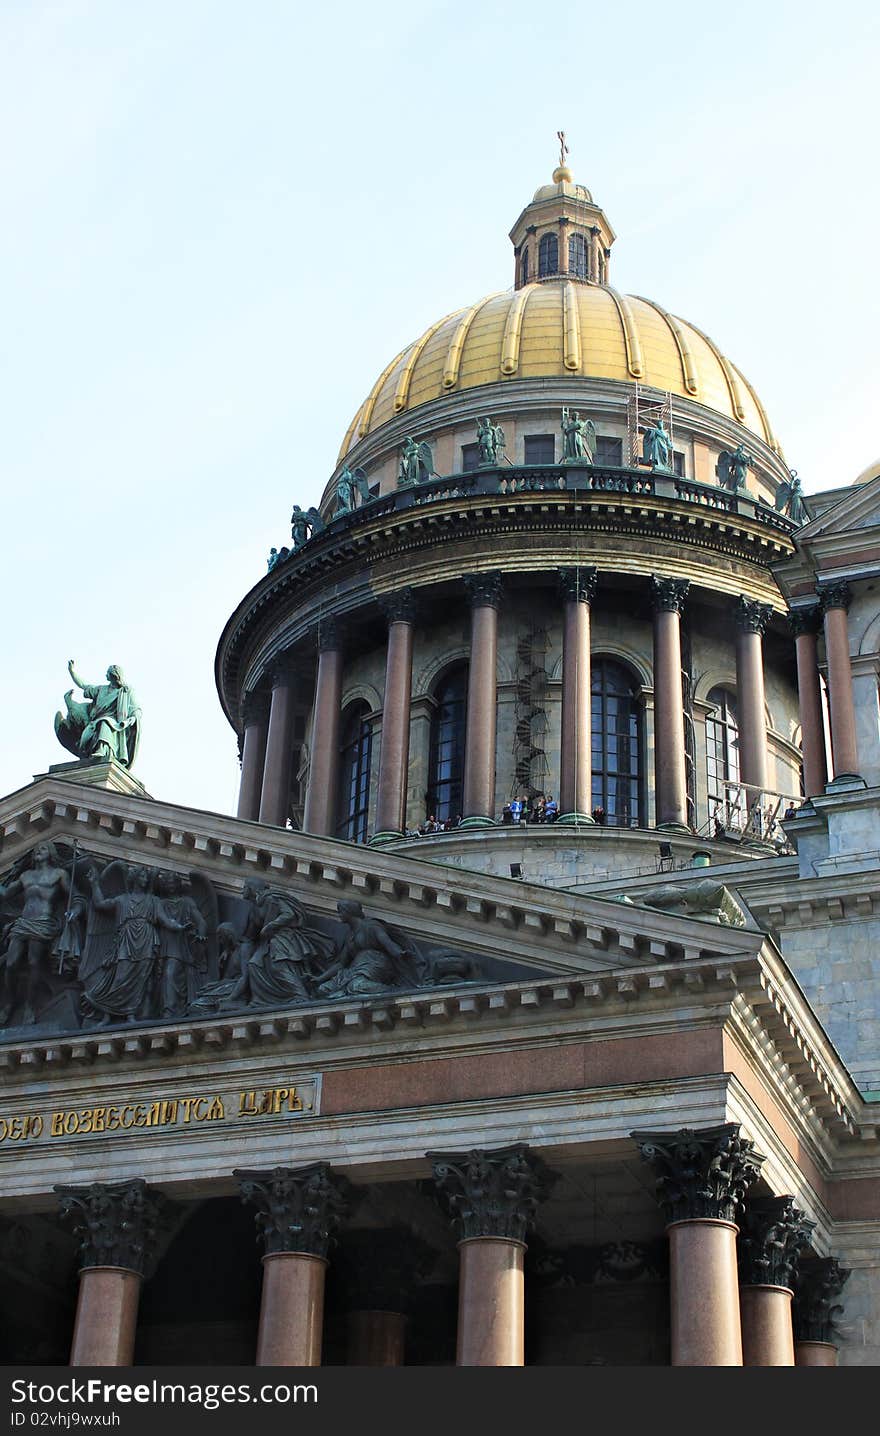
(355, 751)
(577, 256)
(726, 803)
(524, 266)
(616, 744)
(548, 256)
(446, 762)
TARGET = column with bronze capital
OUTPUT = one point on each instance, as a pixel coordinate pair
(577, 587)
(255, 721)
(818, 1284)
(491, 1197)
(836, 599)
(805, 624)
(116, 1224)
(751, 621)
(275, 797)
(772, 1233)
(702, 1178)
(378, 1271)
(478, 794)
(297, 1215)
(399, 610)
(321, 798)
(670, 768)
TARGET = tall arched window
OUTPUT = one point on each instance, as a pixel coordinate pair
(548, 255)
(524, 267)
(354, 774)
(446, 765)
(722, 757)
(617, 737)
(577, 256)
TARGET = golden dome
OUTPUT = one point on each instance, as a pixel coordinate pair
(557, 328)
(871, 472)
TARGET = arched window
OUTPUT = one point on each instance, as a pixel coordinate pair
(577, 256)
(617, 738)
(548, 255)
(722, 758)
(524, 267)
(446, 767)
(354, 774)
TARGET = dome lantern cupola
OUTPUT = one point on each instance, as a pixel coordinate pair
(562, 234)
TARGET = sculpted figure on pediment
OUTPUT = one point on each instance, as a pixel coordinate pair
(705, 899)
(34, 904)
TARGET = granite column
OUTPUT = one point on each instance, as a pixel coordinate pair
(491, 1197)
(322, 796)
(275, 796)
(116, 1224)
(772, 1234)
(805, 625)
(670, 769)
(751, 621)
(577, 587)
(390, 822)
(702, 1178)
(297, 1214)
(818, 1283)
(478, 794)
(255, 719)
(836, 600)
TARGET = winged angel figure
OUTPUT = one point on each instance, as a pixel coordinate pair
(790, 500)
(144, 952)
(416, 462)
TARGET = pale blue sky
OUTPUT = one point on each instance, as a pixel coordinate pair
(219, 221)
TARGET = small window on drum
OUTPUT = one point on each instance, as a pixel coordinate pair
(609, 452)
(678, 463)
(539, 449)
(616, 744)
(446, 765)
(722, 760)
(548, 256)
(470, 457)
(577, 256)
(355, 752)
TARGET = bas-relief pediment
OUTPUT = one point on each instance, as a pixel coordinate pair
(173, 915)
(89, 943)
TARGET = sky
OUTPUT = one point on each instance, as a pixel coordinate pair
(219, 221)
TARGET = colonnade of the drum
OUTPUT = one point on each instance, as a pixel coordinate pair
(267, 721)
(734, 1262)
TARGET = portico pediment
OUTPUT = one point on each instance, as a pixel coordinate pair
(121, 911)
(858, 509)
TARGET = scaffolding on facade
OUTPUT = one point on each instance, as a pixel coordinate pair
(530, 765)
(643, 409)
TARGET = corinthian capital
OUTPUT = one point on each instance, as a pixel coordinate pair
(578, 585)
(751, 616)
(668, 594)
(297, 1211)
(772, 1233)
(700, 1174)
(484, 590)
(835, 595)
(491, 1194)
(116, 1223)
(399, 607)
(819, 1282)
(254, 708)
(805, 620)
